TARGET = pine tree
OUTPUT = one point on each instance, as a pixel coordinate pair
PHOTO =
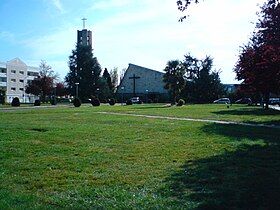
(108, 79)
(84, 73)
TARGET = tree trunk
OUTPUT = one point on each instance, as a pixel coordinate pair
(266, 100)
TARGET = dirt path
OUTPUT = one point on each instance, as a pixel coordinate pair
(192, 119)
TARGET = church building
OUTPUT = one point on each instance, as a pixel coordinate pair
(144, 83)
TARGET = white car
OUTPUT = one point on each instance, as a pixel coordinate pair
(135, 100)
(222, 101)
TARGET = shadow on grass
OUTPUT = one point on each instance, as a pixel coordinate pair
(247, 178)
(249, 111)
(151, 107)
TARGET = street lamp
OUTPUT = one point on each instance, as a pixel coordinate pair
(122, 88)
(24, 89)
(77, 92)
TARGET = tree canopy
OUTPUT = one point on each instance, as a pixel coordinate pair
(258, 66)
(183, 5)
(174, 78)
(43, 85)
(203, 83)
(84, 73)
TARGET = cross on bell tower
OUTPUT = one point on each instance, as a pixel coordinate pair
(84, 23)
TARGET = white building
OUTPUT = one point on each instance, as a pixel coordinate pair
(14, 76)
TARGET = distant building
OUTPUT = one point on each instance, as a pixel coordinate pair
(14, 76)
(231, 88)
(144, 83)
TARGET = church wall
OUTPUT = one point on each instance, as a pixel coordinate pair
(148, 85)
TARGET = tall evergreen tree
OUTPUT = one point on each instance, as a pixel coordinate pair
(85, 71)
(106, 75)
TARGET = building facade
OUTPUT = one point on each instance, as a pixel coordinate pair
(144, 83)
(14, 76)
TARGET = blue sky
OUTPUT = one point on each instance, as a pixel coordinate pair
(142, 32)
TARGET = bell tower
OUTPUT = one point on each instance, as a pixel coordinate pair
(84, 37)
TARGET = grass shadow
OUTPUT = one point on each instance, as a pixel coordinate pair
(247, 178)
(152, 107)
(249, 111)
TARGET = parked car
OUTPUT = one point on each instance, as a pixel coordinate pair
(274, 101)
(244, 101)
(63, 100)
(135, 100)
(222, 101)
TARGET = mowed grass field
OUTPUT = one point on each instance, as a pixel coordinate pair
(80, 158)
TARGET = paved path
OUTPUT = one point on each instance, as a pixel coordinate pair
(192, 119)
(34, 107)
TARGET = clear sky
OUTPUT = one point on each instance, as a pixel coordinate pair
(142, 32)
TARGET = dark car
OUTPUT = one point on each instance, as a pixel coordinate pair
(244, 101)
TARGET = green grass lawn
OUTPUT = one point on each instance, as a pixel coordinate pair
(77, 158)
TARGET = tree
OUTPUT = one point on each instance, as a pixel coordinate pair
(43, 85)
(259, 60)
(174, 78)
(108, 79)
(183, 5)
(114, 78)
(84, 71)
(60, 89)
(203, 84)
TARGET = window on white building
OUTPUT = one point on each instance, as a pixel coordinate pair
(13, 80)
(21, 89)
(3, 70)
(13, 89)
(21, 81)
(21, 72)
(13, 71)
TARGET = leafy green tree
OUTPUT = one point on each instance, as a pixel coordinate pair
(259, 60)
(85, 71)
(203, 84)
(43, 85)
(174, 78)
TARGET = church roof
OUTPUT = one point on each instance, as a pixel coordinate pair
(141, 68)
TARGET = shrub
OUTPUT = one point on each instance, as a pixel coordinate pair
(129, 102)
(95, 102)
(53, 101)
(15, 102)
(112, 101)
(37, 103)
(150, 101)
(181, 102)
(77, 102)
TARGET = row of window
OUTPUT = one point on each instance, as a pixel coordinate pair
(14, 80)
(14, 72)
(29, 73)
(14, 89)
